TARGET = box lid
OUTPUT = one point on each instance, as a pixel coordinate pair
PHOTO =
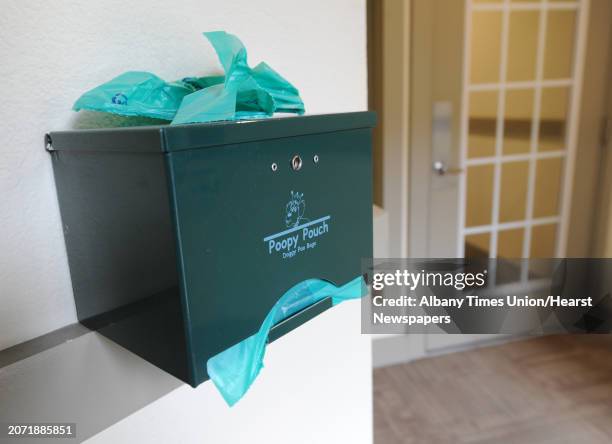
(169, 138)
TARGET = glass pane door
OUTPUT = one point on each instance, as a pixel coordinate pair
(518, 86)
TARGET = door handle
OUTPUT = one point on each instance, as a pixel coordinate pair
(442, 169)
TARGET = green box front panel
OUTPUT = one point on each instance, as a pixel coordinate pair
(226, 200)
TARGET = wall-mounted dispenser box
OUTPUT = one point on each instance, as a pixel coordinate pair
(180, 239)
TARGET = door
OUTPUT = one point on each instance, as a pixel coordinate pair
(494, 112)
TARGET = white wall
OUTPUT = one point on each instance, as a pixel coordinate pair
(51, 52)
(315, 388)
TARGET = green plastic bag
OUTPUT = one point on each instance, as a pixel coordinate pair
(242, 93)
(136, 93)
(246, 93)
(234, 369)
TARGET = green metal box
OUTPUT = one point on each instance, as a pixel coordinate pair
(180, 239)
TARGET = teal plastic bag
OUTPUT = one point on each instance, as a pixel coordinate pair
(136, 93)
(234, 370)
(247, 93)
(242, 93)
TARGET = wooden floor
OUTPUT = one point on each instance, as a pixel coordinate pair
(555, 389)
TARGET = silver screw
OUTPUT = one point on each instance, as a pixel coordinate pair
(48, 143)
(316, 158)
(274, 166)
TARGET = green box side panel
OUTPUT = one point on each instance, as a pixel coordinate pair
(119, 240)
(228, 200)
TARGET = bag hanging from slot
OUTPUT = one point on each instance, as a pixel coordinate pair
(234, 369)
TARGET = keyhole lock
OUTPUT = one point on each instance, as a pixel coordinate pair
(296, 163)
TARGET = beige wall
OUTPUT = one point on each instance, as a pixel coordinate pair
(375, 92)
(590, 201)
(602, 239)
(392, 133)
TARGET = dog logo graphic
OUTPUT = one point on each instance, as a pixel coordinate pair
(294, 210)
